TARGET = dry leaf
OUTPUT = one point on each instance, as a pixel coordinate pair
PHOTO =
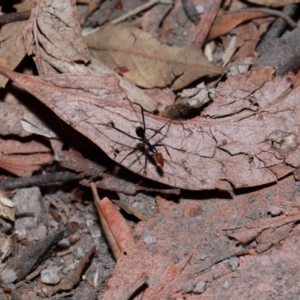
(12, 49)
(13, 147)
(246, 43)
(10, 119)
(273, 3)
(189, 244)
(168, 247)
(63, 47)
(225, 23)
(24, 165)
(53, 34)
(142, 59)
(253, 141)
(266, 232)
(120, 241)
(12, 44)
(7, 208)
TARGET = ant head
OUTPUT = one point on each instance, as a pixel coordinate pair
(140, 132)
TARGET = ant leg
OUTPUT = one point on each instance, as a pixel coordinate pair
(131, 152)
(144, 124)
(127, 134)
(159, 130)
(112, 125)
(162, 145)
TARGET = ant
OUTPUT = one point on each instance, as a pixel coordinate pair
(141, 136)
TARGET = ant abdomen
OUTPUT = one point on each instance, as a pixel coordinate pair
(159, 158)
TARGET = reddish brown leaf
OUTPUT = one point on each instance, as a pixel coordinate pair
(118, 232)
(73, 160)
(225, 23)
(188, 243)
(236, 149)
(13, 147)
(24, 165)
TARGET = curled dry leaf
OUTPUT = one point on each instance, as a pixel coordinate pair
(147, 62)
(53, 34)
(237, 149)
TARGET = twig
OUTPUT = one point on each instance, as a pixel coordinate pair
(276, 28)
(93, 5)
(84, 261)
(140, 9)
(272, 12)
(143, 279)
(14, 17)
(10, 183)
(204, 28)
(130, 210)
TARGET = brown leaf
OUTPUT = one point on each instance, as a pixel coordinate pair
(149, 63)
(267, 232)
(74, 160)
(13, 147)
(273, 3)
(11, 116)
(246, 43)
(117, 231)
(53, 33)
(12, 49)
(189, 244)
(24, 165)
(225, 23)
(236, 149)
(63, 47)
(177, 239)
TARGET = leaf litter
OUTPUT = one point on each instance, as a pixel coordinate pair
(245, 138)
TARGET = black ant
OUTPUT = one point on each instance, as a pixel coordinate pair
(141, 136)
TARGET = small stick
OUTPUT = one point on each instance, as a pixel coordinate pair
(204, 27)
(143, 279)
(14, 17)
(140, 9)
(272, 12)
